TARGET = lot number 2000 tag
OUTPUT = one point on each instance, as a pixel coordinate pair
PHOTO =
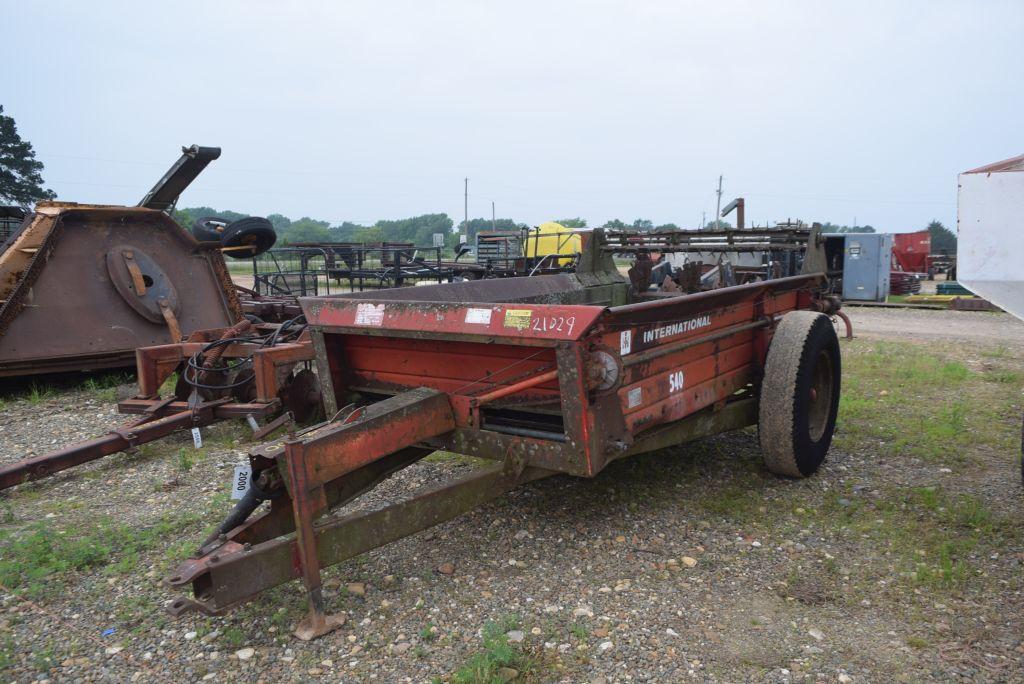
(675, 381)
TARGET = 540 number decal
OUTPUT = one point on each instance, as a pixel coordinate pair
(675, 381)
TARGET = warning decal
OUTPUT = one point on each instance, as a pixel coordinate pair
(518, 318)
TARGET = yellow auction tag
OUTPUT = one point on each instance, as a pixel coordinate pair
(518, 318)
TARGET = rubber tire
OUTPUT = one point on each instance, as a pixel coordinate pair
(783, 421)
(252, 230)
(205, 229)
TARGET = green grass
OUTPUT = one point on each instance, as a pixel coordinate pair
(909, 401)
(105, 385)
(34, 559)
(1005, 377)
(185, 460)
(37, 394)
(933, 539)
(7, 651)
(483, 667)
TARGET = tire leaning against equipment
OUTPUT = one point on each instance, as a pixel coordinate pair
(252, 231)
(209, 228)
(799, 394)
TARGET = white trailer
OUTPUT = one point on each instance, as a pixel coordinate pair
(990, 223)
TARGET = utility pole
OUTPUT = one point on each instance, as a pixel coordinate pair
(718, 207)
(465, 209)
(703, 220)
(494, 221)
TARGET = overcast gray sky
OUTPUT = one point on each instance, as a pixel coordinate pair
(825, 111)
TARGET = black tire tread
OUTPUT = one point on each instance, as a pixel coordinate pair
(786, 355)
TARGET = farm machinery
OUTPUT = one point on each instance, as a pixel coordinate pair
(82, 286)
(542, 375)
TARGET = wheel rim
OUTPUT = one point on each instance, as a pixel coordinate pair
(819, 405)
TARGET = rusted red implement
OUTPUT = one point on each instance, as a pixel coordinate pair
(247, 379)
(552, 374)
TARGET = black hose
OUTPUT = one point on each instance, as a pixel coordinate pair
(252, 499)
(283, 333)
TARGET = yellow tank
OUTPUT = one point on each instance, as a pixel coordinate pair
(552, 238)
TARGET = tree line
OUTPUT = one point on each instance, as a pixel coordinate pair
(420, 230)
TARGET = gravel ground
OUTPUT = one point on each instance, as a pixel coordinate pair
(689, 564)
(924, 325)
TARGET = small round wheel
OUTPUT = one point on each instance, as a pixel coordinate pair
(253, 232)
(209, 228)
(799, 394)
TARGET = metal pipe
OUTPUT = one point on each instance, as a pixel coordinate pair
(737, 291)
(526, 432)
(37, 467)
(517, 387)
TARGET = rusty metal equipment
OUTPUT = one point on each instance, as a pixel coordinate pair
(82, 286)
(551, 374)
(256, 372)
(699, 260)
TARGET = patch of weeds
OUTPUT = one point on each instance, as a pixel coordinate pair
(999, 352)
(910, 401)
(233, 637)
(169, 384)
(579, 631)
(934, 537)
(497, 653)
(456, 459)
(185, 460)
(1005, 377)
(917, 642)
(32, 558)
(7, 651)
(37, 394)
(428, 633)
(280, 618)
(44, 659)
(104, 386)
(736, 501)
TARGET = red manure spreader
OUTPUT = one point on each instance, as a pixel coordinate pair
(543, 375)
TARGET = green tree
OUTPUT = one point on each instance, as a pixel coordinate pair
(346, 232)
(482, 225)
(307, 230)
(369, 234)
(943, 239)
(280, 223)
(573, 222)
(615, 224)
(721, 225)
(21, 180)
(643, 224)
(418, 230)
(203, 212)
(667, 226)
(184, 218)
